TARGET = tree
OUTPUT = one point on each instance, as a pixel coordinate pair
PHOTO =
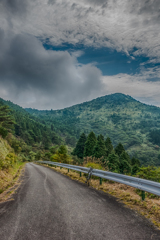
(125, 166)
(61, 155)
(113, 162)
(109, 146)
(90, 144)
(135, 161)
(100, 148)
(135, 169)
(79, 149)
(38, 156)
(6, 119)
(53, 149)
(62, 149)
(119, 149)
(3, 132)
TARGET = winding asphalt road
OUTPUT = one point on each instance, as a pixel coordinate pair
(49, 205)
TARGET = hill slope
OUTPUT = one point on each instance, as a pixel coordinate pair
(122, 118)
(29, 127)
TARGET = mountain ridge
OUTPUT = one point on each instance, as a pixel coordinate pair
(93, 100)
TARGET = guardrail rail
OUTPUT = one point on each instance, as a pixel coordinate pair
(139, 183)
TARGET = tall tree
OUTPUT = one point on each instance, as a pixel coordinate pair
(6, 119)
(100, 148)
(119, 149)
(90, 144)
(113, 162)
(79, 149)
(125, 161)
(135, 161)
(109, 146)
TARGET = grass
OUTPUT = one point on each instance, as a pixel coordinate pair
(4, 148)
(150, 208)
(8, 178)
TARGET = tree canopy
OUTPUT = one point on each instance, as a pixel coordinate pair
(90, 144)
(79, 149)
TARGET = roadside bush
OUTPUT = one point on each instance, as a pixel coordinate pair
(93, 165)
(9, 160)
(61, 155)
(149, 173)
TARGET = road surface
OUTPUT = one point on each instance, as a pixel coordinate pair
(49, 206)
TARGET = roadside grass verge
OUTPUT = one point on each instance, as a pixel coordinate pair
(8, 178)
(149, 208)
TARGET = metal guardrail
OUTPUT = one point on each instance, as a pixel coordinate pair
(139, 183)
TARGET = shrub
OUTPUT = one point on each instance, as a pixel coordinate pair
(93, 165)
(9, 160)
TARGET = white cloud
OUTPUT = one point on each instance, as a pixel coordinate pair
(120, 24)
(135, 85)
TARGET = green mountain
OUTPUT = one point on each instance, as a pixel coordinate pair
(122, 118)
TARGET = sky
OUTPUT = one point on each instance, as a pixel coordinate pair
(58, 53)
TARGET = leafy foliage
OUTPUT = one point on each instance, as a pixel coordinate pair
(100, 148)
(151, 173)
(6, 119)
(90, 144)
(79, 149)
(119, 149)
(25, 126)
(61, 155)
(109, 146)
(113, 162)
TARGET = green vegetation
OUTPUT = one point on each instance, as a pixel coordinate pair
(61, 155)
(133, 124)
(79, 149)
(100, 148)
(23, 137)
(90, 144)
(115, 160)
(25, 126)
(122, 118)
(150, 173)
(8, 177)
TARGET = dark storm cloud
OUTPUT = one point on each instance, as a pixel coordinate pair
(149, 9)
(51, 2)
(97, 2)
(15, 7)
(26, 68)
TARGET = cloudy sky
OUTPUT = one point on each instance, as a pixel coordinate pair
(57, 53)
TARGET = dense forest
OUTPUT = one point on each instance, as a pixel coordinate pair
(101, 151)
(29, 128)
(26, 138)
(122, 118)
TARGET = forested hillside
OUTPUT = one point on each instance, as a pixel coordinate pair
(122, 118)
(29, 128)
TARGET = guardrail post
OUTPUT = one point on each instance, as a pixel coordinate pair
(100, 181)
(68, 169)
(143, 195)
(80, 174)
